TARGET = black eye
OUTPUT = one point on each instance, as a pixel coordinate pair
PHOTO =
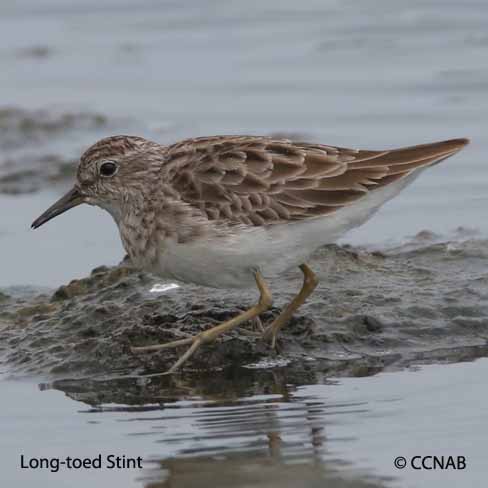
(109, 168)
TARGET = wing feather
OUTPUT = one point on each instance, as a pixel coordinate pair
(260, 181)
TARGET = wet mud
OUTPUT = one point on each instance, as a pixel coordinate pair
(425, 301)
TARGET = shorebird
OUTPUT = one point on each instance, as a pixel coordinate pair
(229, 211)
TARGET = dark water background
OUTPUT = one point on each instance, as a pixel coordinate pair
(373, 74)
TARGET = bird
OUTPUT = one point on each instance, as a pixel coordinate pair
(231, 211)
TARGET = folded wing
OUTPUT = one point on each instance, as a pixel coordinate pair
(261, 181)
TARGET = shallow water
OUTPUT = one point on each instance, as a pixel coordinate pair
(269, 432)
(372, 75)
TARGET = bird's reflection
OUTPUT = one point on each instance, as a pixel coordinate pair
(232, 428)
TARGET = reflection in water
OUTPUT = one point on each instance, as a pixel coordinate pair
(255, 469)
(234, 428)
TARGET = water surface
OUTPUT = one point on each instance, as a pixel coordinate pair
(254, 430)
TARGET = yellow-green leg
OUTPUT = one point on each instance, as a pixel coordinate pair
(207, 336)
(310, 281)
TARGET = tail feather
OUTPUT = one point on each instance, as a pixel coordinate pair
(410, 155)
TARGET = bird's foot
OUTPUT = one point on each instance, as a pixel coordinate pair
(210, 335)
(195, 342)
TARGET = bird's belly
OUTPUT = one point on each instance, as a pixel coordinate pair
(205, 265)
(230, 261)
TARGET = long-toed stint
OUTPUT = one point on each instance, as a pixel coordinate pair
(225, 211)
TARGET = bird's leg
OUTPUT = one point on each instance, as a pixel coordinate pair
(310, 281)
(210, 335)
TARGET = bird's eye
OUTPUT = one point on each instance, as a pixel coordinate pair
(108, 168)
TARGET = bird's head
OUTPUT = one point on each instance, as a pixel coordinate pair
(110, 172)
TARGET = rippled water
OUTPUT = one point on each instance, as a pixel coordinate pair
(253, 431)
(361, 74)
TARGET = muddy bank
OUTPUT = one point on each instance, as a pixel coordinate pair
(426, 301)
